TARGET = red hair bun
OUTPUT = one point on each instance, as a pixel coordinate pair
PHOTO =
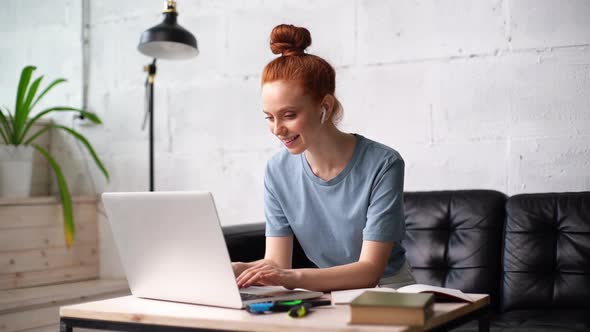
(289, 40)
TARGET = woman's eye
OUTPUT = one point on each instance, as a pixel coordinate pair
(290, 115)
(268, 118)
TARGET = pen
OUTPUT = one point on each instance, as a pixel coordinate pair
(292, 307)
(259, 308)
(302, 309)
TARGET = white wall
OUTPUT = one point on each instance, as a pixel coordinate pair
(474, 94)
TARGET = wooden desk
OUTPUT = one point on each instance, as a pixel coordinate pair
(135, 314)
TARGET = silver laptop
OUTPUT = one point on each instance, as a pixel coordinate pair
(172, 248)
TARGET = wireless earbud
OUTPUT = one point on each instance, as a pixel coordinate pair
(323, 115)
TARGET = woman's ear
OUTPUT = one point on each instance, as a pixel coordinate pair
(327, 104)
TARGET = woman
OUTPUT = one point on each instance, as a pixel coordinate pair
(340, 194)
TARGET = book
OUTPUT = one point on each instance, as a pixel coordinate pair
(346, 296)
(386, 308)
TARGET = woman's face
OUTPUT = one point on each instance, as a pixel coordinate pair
(293, 117)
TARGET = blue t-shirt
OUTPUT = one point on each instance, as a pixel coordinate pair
(332, 218)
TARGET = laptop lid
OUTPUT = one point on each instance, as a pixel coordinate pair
(172, 247)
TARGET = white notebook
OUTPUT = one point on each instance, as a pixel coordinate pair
(346, 296)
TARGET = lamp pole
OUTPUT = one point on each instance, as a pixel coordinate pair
(151, 70)
(167, 40)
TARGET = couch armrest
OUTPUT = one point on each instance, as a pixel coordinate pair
(246, 243)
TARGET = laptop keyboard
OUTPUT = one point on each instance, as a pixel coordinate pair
(248, 297)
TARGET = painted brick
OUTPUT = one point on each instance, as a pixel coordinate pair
(536, 109)
(122, 113)
(234, 178)
(219, 114)
(549, 164)
(112, 12)
(29, 13)
(54, 58)
(550, 23)
(396, 106)
(448, 166)
(129, 172)
(249, 33)
(115, 62)
(472, 100)
(390, 31)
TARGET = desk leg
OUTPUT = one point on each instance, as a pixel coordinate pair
(63, 326)
(484, 322)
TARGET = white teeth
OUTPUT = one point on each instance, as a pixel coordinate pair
(291, 139)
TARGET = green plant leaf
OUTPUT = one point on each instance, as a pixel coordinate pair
(3, 135)
(6, 132)
(11, 122)
(23, 84)
(93, 117)
(82, 139)
(64, 193)
(26, 108)
(25, 78)
(49, 87)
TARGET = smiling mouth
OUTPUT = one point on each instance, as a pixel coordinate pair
(287, 141)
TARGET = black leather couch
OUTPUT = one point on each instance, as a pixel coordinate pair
(530, 252)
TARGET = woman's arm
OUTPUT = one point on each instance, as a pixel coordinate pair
(279, 249)
(278, 252)
(364, 273)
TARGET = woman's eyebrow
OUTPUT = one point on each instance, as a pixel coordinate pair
(282, 110)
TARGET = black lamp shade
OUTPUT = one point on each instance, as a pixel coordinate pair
(168, 40)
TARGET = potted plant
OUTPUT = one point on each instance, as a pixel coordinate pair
(19, 146)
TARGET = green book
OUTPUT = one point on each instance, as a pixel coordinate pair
(386, 299)
(392, 308)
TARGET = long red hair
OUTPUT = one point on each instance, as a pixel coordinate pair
(315, 74)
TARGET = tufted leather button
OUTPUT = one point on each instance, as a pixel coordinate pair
(453, 238)
(547, 251)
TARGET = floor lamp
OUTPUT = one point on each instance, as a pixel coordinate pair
(167, 40)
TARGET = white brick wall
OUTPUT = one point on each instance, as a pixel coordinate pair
(408, 30)
(30, 36)
(474, 94)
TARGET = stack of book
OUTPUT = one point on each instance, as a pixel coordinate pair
(391, 308)
(410, 305)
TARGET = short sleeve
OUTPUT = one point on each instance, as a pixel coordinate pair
(385, 215)
(276, 221)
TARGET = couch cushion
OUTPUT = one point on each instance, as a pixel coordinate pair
(453, 238)
(546, 257)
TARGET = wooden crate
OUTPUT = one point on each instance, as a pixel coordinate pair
(37, 308)
(32, 244)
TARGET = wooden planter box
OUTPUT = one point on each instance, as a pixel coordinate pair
(37, 308)
(32, 245)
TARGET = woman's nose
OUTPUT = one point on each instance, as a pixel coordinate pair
(278, 128)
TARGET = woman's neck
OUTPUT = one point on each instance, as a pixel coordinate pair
(332, 152)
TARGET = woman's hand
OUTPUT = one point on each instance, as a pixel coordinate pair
(239, 267)
(269, 274)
